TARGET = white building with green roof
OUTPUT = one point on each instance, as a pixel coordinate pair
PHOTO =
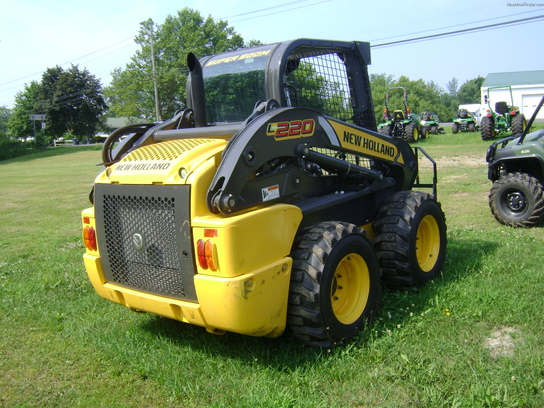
(527, 90)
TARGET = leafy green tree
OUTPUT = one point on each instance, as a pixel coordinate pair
(5, 113)
(72, 101)
(421, 95)
(448, 107)
(379, 84)
(469, 92)
(424, 95)
(453, 86)
(131, 92)
(19, 124)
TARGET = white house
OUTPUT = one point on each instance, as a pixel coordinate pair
(527, 90)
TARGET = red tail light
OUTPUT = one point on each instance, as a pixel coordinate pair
(201, 254)
(205, 254)
(89, 238)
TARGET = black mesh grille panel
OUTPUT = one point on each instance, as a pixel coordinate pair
(321, 82)
(144, 238)
(332, 81)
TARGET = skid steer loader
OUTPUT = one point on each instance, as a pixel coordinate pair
(271, 202)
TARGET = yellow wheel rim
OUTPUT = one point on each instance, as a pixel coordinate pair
(427, 243)
(350, 288)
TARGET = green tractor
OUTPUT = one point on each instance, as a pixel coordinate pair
(402, 124)
(430, 123)
(464, 122)
(503, 118)
(516, 168)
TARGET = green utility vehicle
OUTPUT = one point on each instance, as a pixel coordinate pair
(430, 123)
(516, 168)
(402, 124)
(464, 122)
(503, 118)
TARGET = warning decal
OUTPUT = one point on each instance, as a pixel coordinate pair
(270, 193)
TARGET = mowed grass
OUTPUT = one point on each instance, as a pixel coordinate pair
(473, 337)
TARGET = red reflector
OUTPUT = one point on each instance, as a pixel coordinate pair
(201, 254)
(89, 238)
(86, 220)
(210, 233)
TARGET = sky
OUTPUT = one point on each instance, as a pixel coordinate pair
(99, 35)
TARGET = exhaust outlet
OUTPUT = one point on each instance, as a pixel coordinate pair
(197, 90)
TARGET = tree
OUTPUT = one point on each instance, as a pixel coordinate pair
(380, 83)
(71, 100)
(424, 95)
(452, 87)
(132, 90)
(5, 113)
(19, 124)
(421, 96)
(470, 91)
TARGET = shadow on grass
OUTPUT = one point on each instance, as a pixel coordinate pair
(398, 306)
(282, 353)
(287, 353)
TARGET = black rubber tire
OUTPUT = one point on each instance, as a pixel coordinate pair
(434, 129)
(425, 132)
(454, 128)
(471, 127)
(335, 284)
(517, 200)
(385, 130)
(411, 133)
(410, 238)
(518, 124)
(487, 128)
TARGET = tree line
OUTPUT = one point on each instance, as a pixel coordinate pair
(152, 84)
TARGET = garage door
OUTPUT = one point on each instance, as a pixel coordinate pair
(529, 103)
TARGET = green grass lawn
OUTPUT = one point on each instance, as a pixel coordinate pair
(473, 337)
